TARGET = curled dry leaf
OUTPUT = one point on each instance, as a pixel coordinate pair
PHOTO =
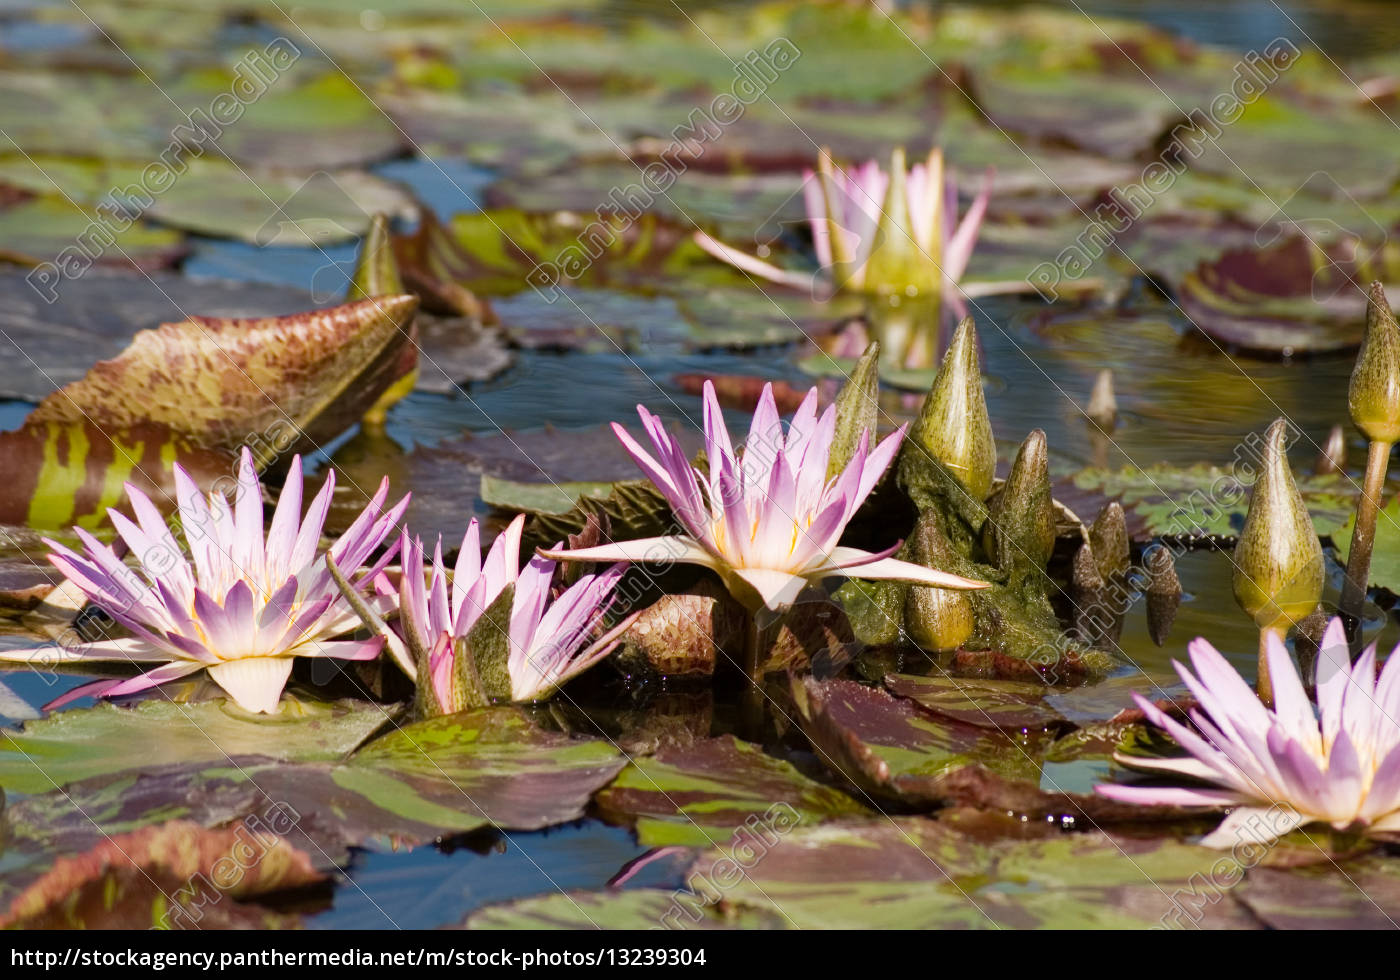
(293, 381)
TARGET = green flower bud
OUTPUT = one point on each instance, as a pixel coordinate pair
(954, 427)
(1374, 395)
(857, 410)
(1278, 560)
(1020, 530)
(937, 620)
(1108, 536)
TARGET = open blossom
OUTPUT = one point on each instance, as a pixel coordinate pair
(768, 519)
(244, 607)
(549, 640)
(1289, 766)
(880, 232)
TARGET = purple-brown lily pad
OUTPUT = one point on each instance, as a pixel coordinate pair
(1299, 296)
(173, 875)
(912, 873)
(698, 794)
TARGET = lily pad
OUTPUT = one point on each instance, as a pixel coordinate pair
(1008, 706)
(49, 230)
(909, 873)
(168, 876)
(700, 794)
(1197, 501)
(62, 474)
(429, 780)
(1300, 296)
(1353, 895)
(894, 748)
(79, 743)
(637, 909)
(1385, 554)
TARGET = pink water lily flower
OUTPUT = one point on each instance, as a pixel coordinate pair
(1289, 766)
(882, 232)
(551, 642)
(768, 519)
(244, 608)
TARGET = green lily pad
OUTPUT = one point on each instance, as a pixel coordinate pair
(76, 744)
(1197, 501)
(698, 794)
(38, 231)
(909, 873)
(1385, 554)
(434, 779)
(207, 196)
(538, 498)
(637, 909)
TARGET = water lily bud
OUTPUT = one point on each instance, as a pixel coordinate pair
(1103, 407)
(376, 271)
(1163, 592)
(953, 426)
(1278, 560)
(1020, 529)
(937, 620)
(897, 264)
(1108, 536)
(1333, 458)
(1084, 571)
(1374, 395)
(857, 410)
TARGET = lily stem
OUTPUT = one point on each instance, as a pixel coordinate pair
(1265, 684)
(1363, 537)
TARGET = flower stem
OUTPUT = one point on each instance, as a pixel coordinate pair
(1363, 537)
(1265, 684)
(753, 650)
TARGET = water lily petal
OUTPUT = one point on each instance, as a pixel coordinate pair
(255, 683)
(1253, 825)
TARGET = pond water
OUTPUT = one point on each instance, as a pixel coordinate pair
(1183, 400)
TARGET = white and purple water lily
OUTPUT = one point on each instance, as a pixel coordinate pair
(245, 609)
(882, 232)
(1285, 767)
(767, 520)
(549, 640)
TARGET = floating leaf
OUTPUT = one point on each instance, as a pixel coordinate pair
(228, 382)
(1385, 558)
(702, 793)
(1197, 501)
(909, 873)
(61, 474)
(64, 240)
(638, 909)
(78, 743)
(1353, 895)
(1009, 706)
(1296, 297)
(163, 877)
